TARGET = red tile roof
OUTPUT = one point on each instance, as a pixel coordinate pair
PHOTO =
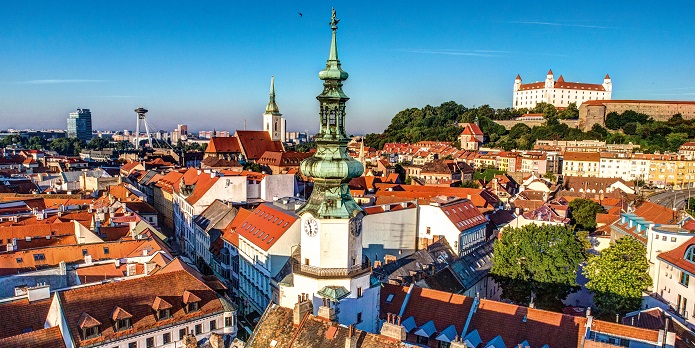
(464, 215)
(676, 256)
(255, 143)
(582, 156)
(136, 297)
(223, 145)
(625, 330)
(22, 260)
(25, 315)
(491, 319)
(656, 213)
(265, 225)
(43, 338)
(229, 233)
(480, 197)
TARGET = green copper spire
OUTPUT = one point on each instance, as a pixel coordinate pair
(272, 107)
(331, 167)
(333, 70)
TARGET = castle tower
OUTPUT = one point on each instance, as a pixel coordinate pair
(332, 270)
(517, 83)
(273, 123)
(607, 84)
(549, 80)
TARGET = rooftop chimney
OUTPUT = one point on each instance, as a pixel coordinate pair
(302, 308)
(39, 292)
(392, 328)
(351, 339)
(458, 343)
(325, 311)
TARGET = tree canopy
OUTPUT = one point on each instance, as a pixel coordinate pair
(440, 123)
(617, 277)
(540, 260)
(584, 213)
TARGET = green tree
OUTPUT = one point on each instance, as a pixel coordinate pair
(538, 259)
(584, 213)
(306, 147)
(469, 184)
(97, 143)
(675, 140)
(630, 128)
(613, 121)
(571, 112)
(36, 143)
(617, 277)
(550, 176)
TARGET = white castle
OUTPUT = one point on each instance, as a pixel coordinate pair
(559, 92)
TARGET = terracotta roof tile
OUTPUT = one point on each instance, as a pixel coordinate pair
(160, 303)
(25, 316)
(43, 338)
(223, 145)
(265, 225)
(255, 143)
(625, 330)
(136, 297)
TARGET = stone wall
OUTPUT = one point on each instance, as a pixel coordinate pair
(508, 124)
(595, 111)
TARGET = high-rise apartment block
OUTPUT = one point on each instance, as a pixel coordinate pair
(80, 124)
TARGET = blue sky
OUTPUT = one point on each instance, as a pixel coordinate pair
(208, 63)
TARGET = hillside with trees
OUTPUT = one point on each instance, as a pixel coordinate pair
(440, 123)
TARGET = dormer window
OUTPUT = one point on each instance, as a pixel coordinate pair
(191, 301)
(162, 308)
(121, 319)
(121, 324)
(89, 326)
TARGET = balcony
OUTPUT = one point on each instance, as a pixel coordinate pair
(327, 273)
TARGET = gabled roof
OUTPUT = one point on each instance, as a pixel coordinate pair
(229, 233)
(472, 129)
(136, 297)
(276, 329)
(160, 304)
(676, 256)
(513, 323)
(25, 316)
(42, 338)
(464, 215)
(223, 145)
(255, 143)
(266, 225)
(120, 313)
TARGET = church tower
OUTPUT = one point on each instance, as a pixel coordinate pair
(331, 270)
(273, 123)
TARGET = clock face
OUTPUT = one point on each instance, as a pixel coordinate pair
(311, 227)
(356, 226)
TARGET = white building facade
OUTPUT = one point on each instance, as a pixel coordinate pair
(559, 93)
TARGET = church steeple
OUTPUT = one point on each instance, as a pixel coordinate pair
(272, 107)
(332, 167)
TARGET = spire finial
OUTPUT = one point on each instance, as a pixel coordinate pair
(272, 107)
(333, 70)
(272, 86)
(334, 20)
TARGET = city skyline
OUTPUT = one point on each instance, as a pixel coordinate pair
(209, 67)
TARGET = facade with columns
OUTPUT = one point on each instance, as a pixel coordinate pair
(331, 272)
(273, 122)
(559, 92)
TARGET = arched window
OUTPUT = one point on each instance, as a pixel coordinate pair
(690, 254)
